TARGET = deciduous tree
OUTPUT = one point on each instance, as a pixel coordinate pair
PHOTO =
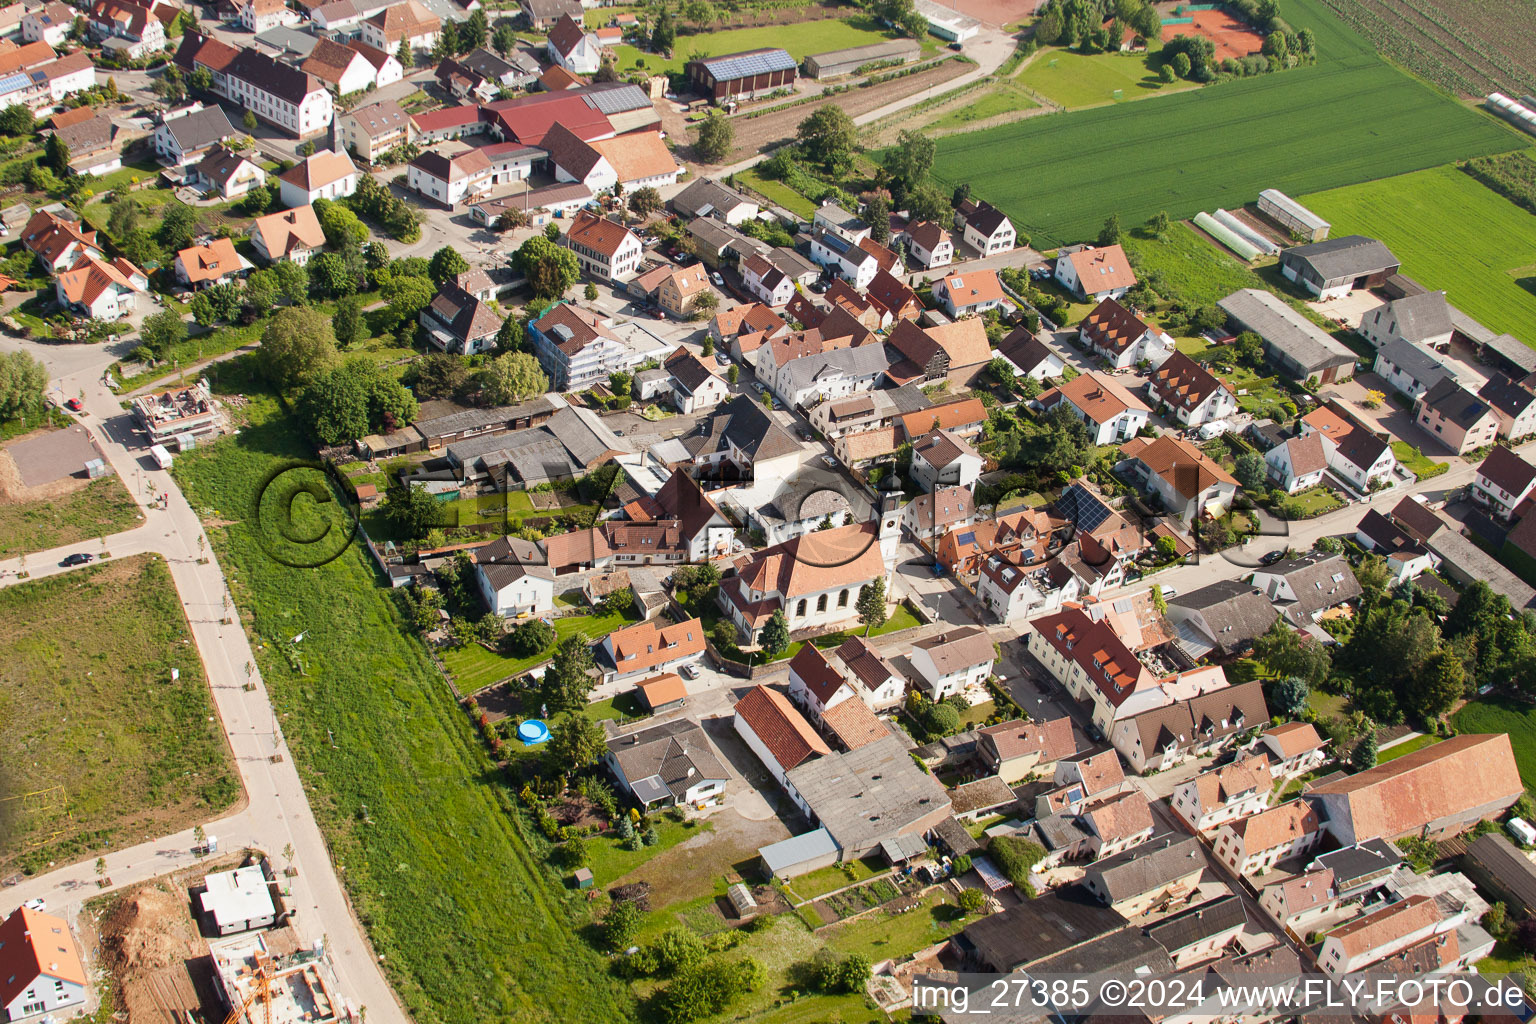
(512, 377)
(296, 345)
(713, 137)
(828, 137)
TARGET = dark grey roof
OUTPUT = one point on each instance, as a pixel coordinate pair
(688, 370)
(1505, 396)
(1060, 831)
(1353, 865)
(956, 837)
(201, 128)
(1422, 316)
(677, 752)
(908, 398)
(1386, 537)
(1236, 612)
(1141, 869)
(750, 427)
(706, 197)
(1041, 928)
(1455, 403)
(1471, 562)
(1024, 350)
(751, 62)
(864, 361)
(615, 97)
(794, 501)
(470, 419)
(289, 39)
(1423, 366)
(1514, 350)
(1283, 328)
(986, 219)
(282, 80)
(1122, 954)
(1199, 924)
(1511, 869)
(1320, 580)
(484, 62)
(1346, 256)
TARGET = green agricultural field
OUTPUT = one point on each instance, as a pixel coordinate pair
(1075, 80)
(800, 40)
(98, 747)
(1348, 119)
(1499, 714)
(1452, 233)
(1190, 268)
(99, 509)
(469, 922)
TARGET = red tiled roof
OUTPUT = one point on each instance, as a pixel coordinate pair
(648, 644)
(33, 945)
(783, 730)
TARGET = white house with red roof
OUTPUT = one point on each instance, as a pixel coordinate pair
(1297, 463)
(1122, 338)
(1109, 409)
(649, 648)
(1096, 273)
(574, 48)
(1293, 748)
(777, 733)
(58, 240)
(606, 249)
(99, 289)
(293, 235)
(952, 662)
(40, 967)
(326, 175)
(1254, 844)
(1233, 791)
(815, 685)
(1193, 394)
(971, 291)
(928, 244)
(1503, 481)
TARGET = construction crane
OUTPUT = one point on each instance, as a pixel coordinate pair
(262, 991)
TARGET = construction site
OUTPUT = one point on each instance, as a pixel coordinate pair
(263, 987)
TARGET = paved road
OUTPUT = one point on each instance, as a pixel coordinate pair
(276, 813)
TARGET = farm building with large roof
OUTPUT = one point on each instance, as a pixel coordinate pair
(742, 75)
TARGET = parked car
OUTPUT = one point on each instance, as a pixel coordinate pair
(74, 405)
(37, 903)
(78, 558)
(1272, 558)
(719, 282)
(689, 671)
(829, 460)
(658, 313)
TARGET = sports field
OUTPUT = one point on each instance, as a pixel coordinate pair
(1348, 119)
(1452, 233)
(800, 40)
(1075, 80)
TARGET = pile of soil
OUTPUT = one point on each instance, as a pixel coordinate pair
(146, 930)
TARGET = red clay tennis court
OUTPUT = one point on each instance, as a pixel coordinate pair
(1233, 36)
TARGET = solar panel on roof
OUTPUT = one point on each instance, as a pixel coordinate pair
(724, 68)
(1082, 509)
(968, 537)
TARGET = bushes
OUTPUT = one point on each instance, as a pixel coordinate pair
(828, 972)
(1015, 858)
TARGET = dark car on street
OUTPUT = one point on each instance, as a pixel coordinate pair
(78, 558)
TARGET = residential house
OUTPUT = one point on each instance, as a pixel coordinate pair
(91, 136)
(803, 382)
(607, 250)
(744, 329)
(1432, 792)
(703, 529)
(1189, 727)
(280, 94)
(928, 244)
(1379, 934)
(574, 48)
(953, 661)
(41, 965)
(229, 175)
(342, 68)
(957, 352)
(1015, 585)
(706, 197)
(974, 291)
(407, 22)
(1223, 618)
(1337, 266)
(1029, 356)
(984, 227)
(1033, 534)
(636, 160)
(1514, 405)
(742, 440)
(99, 289)
(543, 14)
(832, 219)
(1456, 417)
(1503, 481)
(125, 27)
(1193, 394)
(893, 299)
(771, 285)
(51, 23)
(695, 387)
(1410, 369)
(288, 235)
(326, 175)
(1301, 900)
(386, 69)
(1016, 750)
(1184, 479)
(680, 289)
(59, 239)
(203, 266)
(1096, 273)
(777, 733)
(1356, 454)
(719, 245)
(1147, 878)
(459, 323)
(450, 180)
(814, 579)
(1293, 748)
(1216, 797)
(260, 16)
(1253, 845)
(369, 132)
(1423, 319)
(514, 578)
(942, 459)
(1298, 463)
(847, 259)
(930, 516)
(668, 765)
(879, 684)
(1361, 868)
(185, 137)
(650, 647)
(815, 685)
(1305, 587)
(1117, 824)
(1122, 338)
(1203, 932)
(577, 347)
(1112, 413)
(1291, 341)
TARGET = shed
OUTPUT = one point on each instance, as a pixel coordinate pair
(1291, 215)
(903, 848)
(1497, 865)
(845, 62)
(798, 855)
(662, 693)
(584, 878)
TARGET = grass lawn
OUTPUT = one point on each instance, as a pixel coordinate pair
(1434, 221)
(452, 886)
(1408, 746)
(1498, 714)
(777, 192)
(1416, 462)
(1256, 394)
(98, 744)
(1315, 501)
(881, 936)
(1075, 80)
(1506, 958)
(474, 667)
(976, 714)
(900, 619)
(1194, 270)
(799, 40)
(100, 508)
(1327, 705)
(1002, 98)
(1299, 131)
(610, 861)
(824, 880)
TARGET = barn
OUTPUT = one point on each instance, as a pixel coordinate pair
(1338, 266)
(742, 75)
(836, 63)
